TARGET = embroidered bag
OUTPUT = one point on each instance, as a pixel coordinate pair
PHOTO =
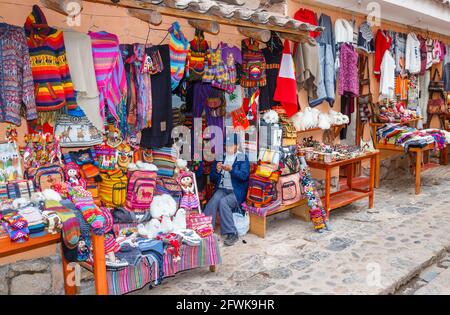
(45, 177)
(113, 188)
(141, 186)
(288, 189)
(239, 119)
(75, 131)
(261, 191)
(107, 157)
(436, 86)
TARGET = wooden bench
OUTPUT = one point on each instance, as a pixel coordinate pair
(258, 223)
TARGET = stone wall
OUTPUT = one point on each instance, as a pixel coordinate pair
(35, 276)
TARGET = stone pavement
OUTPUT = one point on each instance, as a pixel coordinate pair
(374, 251)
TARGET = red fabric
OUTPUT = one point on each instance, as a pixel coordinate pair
(307, 16)
(382, 43)
(286, 89)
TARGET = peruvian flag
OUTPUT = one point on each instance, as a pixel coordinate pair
(286, 89)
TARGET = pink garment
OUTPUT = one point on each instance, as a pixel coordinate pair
(348, 73)
(109, 71)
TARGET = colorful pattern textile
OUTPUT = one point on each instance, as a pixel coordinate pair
(164, 159)
(179, 46)
(263, 211)
(253, 65)
(135, 277)
(348, 73)
(52, 81)
(16, 79)
(83, 201)
(70, 225)
(197, 58)
(109, 70)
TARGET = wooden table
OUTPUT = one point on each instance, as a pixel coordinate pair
(351, 193)
(8, 248)
(418, 154)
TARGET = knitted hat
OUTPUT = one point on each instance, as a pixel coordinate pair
(182, 175)
(71, 166)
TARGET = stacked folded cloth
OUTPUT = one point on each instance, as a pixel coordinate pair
(164, 159)
(200, 223)
(262, 211)
(16, 226)
(36, 224)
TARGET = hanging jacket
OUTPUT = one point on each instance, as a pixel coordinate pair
(51, 75)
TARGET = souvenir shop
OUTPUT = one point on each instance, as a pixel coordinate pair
(91, 103)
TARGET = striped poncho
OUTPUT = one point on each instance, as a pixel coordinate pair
(109, 71)
(51, 75)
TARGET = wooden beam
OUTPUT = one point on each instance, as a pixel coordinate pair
(68, 8)
(149, 16)
(178, 13)
(235, 2)
(256, 34)
(294, 38)
(211, 27)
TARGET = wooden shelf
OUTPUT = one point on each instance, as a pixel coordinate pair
(344, 198)
(323, 165)
(10, 248)
(395, 122)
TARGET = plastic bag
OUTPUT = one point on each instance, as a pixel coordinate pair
(241, 222)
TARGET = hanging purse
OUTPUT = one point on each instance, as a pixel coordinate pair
(365, 101)
(239, 119)
(436, 106)
(436, 86)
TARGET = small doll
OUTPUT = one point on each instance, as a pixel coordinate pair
(73, 175)
(189, 201)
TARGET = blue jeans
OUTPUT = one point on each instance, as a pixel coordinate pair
(225, 202)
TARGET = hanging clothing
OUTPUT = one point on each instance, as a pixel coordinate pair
(16, 79)
(232, 59)
(343, 31)
(421, 93)
(109, 71)
(366, 41)
(197, 58)
(412, 54)
(382, 43)
(286, 89)
(159, 135)
(401, 87)
(423, 54)
(348, 74)
(327, 35)
(253, 64)
(201, 93)
(430, 47)
(387, 78)
(347, 108)
(52, 81)
(307, 16)
(216, 73)
(399, 52)
(179, 46)
(307, 67)
(446, 76)
(81, 64)
(272, 54)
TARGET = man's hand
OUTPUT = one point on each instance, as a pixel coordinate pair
(227, 168)
(219, 167)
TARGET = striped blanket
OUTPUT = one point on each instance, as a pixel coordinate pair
(264, 211)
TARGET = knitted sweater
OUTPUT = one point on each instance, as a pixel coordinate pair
(179, 47)
(197, 58)
(253, 65)
(16, 80)
(52, 81)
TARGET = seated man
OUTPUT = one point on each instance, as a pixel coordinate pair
(230, 179)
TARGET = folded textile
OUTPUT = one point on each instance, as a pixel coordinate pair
(17, 235)
(70, 226)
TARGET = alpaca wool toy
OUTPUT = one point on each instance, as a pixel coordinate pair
(189, 200)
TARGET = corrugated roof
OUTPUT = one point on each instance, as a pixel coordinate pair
(237, 9)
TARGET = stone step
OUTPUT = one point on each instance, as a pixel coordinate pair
(439, 285)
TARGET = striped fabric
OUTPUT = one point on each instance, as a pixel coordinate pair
(109, 70)
(136, 277)
(51, 75)
(179, 47)
(164, 159)
(263, 211)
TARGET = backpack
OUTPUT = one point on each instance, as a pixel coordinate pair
(113, 188)
(91, 175)
(261, 191)
(288, 189)
(141, 186)
(44, 177)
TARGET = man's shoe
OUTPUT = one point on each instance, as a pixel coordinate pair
(231, 239)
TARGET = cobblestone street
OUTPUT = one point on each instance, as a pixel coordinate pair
(398, 247)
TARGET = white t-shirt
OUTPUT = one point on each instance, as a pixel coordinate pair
(387, 79)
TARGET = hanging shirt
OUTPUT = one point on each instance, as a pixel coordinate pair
(365, 38)
(382, 43)
(197, 58)
(81, 63)
(348, 74)
(307, 16)
(343, 31)
(412, 54)
(387, 77)
(16, 83)
(253, 64)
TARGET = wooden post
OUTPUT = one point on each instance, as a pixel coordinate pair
(372, 180)
(418, 170)
(69, 284)
(377, 170)
(211, 27)
(149, 16)
(64, 7)
(98, 245)
(257, 34)
(327, 190)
